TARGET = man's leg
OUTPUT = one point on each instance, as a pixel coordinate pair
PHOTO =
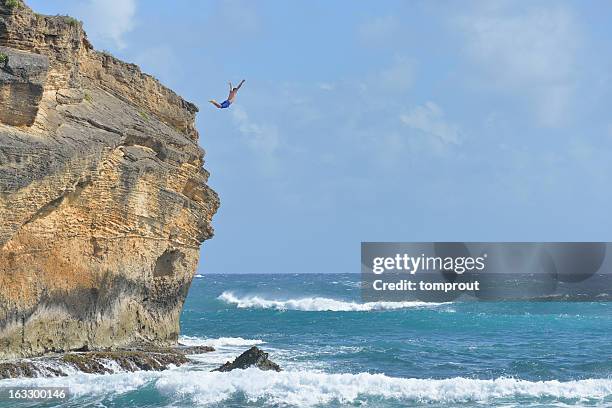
(217, 104)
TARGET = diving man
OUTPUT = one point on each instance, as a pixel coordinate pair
(230, 99)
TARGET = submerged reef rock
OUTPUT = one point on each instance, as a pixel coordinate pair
(103, 195)
(253, 357)
(98, 362)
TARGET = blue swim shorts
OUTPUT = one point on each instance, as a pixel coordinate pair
(225, 104)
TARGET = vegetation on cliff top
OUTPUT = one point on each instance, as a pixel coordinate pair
(12, 3)
(73, 22)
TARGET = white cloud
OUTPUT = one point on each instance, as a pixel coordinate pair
(240, 16)
(391, 79)
(528, 51)
(399, 76)
(429, 119)
(326, 86)
(534, 45)
(379, 30)
(107, 21)
(263, 139)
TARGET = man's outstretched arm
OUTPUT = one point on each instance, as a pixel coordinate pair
(240, 84)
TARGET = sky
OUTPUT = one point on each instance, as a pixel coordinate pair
(381, 121)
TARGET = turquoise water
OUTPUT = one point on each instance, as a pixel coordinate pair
(337, 351)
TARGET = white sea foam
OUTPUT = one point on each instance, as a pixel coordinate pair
(308, 388)
(226, 349)
(317, 304)
(218, 342)
(81, 384)
(352, 284)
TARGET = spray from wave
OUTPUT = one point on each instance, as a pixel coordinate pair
(316, 304)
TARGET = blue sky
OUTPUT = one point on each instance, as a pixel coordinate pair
(382, 121)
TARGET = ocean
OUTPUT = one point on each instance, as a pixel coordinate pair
(336, 351)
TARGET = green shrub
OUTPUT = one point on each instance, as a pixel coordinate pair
(144, 115)
(3, 58)
(73, 22)
(87, 97)
(12, 3)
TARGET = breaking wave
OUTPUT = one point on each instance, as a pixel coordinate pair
(316, 304)
(308, 388)
(218, 342)
(312, 388)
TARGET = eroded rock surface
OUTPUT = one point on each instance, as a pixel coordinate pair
(22, 79)
(103, 195)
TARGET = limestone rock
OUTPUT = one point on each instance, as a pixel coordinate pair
(103, 195)
(22, 79)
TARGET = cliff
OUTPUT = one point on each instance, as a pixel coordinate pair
(103, 195)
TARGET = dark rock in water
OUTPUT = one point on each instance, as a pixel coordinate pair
(253, 357)
(14, 369)
(190, 350)
(95, 362)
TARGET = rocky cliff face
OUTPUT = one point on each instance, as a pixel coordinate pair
(103, 195)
